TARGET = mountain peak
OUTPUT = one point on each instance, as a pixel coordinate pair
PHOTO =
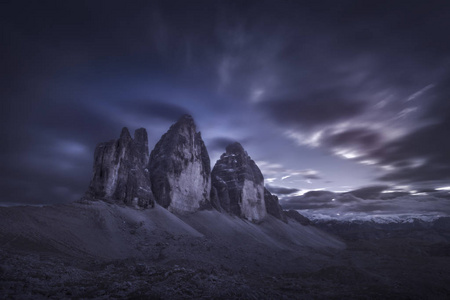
(239, 184)
(180, 168)
(186, 120)
(235, 148)
(125, 134)
(140, 135)
(186, 117)
(119, 171)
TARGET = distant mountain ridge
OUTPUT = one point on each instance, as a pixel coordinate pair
(380, 219)
(436, 230)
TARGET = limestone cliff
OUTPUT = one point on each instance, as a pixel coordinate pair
(119, 172)
(273, 206)
(180, 170)
(239, 184)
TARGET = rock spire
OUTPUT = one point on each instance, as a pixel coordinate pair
(119, 172)
(239, 184)
(180, 170)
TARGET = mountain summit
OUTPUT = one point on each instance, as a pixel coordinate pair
(119, 173)
(177, 175)
(239, 184)
(180, 168)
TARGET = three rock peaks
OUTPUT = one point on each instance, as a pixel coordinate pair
(177, 175)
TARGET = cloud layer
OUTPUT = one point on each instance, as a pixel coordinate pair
(367, 202)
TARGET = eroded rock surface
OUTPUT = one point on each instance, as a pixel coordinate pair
(239, 184)
(180, 168)
(120, 173)
(273, 206)
(293, 214)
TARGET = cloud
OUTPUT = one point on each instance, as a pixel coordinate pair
(407, 144)
(79, 120)
(386, 93)
(359, 138)
(369, 201)
(313, 110)
(440, 194)
(348, 207)
(420, 92)
(272, 170)
(219, 143)
(310, 200)
(421, 155)
(392, 195)
(153, 109)
(301, 205)
(370, 192)
(320, 196)
(279, 190)
(347, 198)
(311, 176)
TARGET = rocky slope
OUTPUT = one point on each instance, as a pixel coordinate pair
(239, 184)
(180, 168)
(100, 250)
(95, 249)
(119, 172)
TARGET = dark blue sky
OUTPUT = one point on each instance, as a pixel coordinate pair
(331, 95)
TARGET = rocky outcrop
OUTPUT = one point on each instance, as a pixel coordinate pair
(180, 170)
(214, 198)
(120, 173)
(239, 184)
(273, 206)
(293, 214)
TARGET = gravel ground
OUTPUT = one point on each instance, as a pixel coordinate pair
(151, 255)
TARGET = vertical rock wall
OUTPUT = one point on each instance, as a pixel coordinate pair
(273, 206)
(180, 168)
(239, 184)
(119, 172)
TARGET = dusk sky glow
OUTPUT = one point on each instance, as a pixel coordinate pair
(325, 95)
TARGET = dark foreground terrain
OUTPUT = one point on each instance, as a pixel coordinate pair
(99, 250)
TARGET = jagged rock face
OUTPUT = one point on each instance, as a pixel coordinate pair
(214, 198)
(180, 168)
(239, 184)
(120, 173)
(273, 206)
(293, 214)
